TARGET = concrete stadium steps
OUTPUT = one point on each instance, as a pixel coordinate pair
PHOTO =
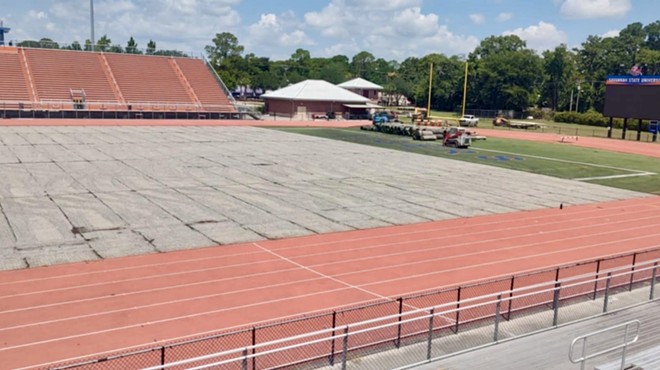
(144, 79)
(56, 72)
(204, 84)
(12, 84)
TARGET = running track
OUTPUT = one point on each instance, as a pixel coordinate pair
(613, 145)
(68, 311)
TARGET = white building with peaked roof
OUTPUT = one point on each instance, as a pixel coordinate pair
(363, 87)
(314, 98)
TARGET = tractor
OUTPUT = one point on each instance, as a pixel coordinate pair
(457, 137)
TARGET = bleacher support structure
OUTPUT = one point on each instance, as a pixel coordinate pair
(39, 83)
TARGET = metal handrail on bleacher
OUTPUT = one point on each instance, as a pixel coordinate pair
(627, 341)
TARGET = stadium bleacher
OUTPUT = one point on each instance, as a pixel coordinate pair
(75, 81)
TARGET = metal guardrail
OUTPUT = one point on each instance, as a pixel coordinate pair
(282, 352)
(584, 357)
(459, 309)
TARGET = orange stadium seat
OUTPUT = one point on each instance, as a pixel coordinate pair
(44, 78)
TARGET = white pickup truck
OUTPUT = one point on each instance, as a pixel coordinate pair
(468, 120)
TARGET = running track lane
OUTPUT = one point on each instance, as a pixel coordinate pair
(613, 145)
(71, 311)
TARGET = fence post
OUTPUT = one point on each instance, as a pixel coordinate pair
(332, 345)
(655, 267)
(632, 274)
(497, 316)
(607, 291)
(508, 314)
(458, 306)
(162, 355)
(254, 349)
(344, 352)
(555, 303)
(398, 333)
(244, 364)
(596, 283)
(430, 338)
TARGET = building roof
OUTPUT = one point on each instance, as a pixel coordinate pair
(360, 83)
(316, 90)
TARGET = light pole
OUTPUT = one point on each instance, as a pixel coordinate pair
(91, 19)
(577, 100)
(428, 107)
(465, 88)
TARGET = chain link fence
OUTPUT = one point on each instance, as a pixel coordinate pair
(415, 328)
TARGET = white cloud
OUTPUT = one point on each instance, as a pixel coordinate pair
(590, 9)
(477, 18)
(540, 37)
(185, 25)
(276, 35)
(611, 33)
(503, 17)
(402, 29)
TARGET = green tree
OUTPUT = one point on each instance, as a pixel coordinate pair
(362, 63)
(631, 39)
(151, 47)
(171, 53)
(132, 47)
(559, 77)
(300, 65)
(505, 74)
(116, 48)
(652, 31)
(224, 45)
(103, 44)
(44, 43)
(75, 46)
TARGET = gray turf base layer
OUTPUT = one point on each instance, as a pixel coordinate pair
(82, 193)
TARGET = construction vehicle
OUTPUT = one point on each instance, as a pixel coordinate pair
(383, 117)
(457, 137)
(500, 121)
(503, 122)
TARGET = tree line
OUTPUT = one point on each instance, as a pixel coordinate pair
(103, 44)
(503, 72)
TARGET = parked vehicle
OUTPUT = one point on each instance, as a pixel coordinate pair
(468, 120)
(458, 137)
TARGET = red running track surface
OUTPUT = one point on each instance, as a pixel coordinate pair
(613, 145)
(69, 311)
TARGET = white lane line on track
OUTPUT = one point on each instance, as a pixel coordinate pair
(315, 272)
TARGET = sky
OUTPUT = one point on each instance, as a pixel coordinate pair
(390, 29)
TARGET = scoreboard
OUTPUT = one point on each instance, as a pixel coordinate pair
(636, 97)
